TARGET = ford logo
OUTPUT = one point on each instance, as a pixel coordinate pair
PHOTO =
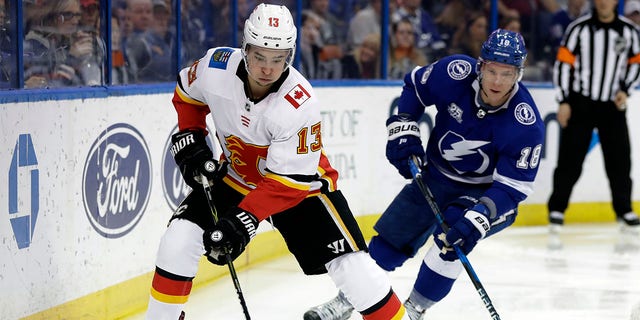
(117, 180)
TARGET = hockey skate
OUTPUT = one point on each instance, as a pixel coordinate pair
(629, 223)
(337, 308)
(413, 311)
(556, 220)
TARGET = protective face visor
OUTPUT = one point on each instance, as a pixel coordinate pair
(267, 58)
(511, 74)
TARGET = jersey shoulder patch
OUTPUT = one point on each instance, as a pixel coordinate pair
(459, 69)
(220, 58)
(192, 73)
(297, 96)
(524, 114)
(427, 72)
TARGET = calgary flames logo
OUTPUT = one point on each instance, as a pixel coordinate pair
(191, 75)
(247, 160)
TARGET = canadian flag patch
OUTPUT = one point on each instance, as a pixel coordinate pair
(297, 96)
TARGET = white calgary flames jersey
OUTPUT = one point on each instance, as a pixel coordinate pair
(273, 145)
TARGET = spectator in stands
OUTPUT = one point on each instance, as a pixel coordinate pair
(363, 62)
(332, 38)
(245, 8)
(511, 24)
(435, 7)
(559, 22)
(193, 34)
(3, 13)
(346, 9)
(39, 57)
(90, 19)
(632, 11)
(219, 22)
(140, 13)
(403, 55)
(535, 16)
(365, 22)
(503, 10)
(448, 21)
(119, 9)
(137, 19)
(470, 36)
(7, 58)
(89, 25)
(55, 52)
(150, 54)
(310, 43)
(163, 66)
(119, 70)
(334, 29)
(427, 36)
(89, 59)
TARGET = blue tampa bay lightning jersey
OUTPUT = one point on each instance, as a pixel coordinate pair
(471, 142)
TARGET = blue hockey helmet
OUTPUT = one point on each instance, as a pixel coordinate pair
(506, 47)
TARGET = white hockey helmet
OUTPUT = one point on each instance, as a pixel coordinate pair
(272, 27)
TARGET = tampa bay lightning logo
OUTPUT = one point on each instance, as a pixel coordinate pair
(459, 69)
(524, 114)
(464, 155)
(173, 186)
(117, 180)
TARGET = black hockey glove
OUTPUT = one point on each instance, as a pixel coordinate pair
(403, 142)
(230, 236)
(467, 227)
(194, 158)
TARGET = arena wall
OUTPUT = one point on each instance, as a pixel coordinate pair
(90, 187)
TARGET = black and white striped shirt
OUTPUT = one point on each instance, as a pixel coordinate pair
(597, 59)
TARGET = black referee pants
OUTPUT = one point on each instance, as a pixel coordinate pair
(574, 144)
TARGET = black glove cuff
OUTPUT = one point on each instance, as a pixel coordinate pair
(189, 144)
(245, 222)
(193, 157)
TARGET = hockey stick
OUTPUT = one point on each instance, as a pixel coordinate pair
(414, 165)
(232, 269)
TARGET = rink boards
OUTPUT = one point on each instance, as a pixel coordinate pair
(91, 185)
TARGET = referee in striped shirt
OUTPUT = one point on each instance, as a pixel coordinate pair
(598, 62)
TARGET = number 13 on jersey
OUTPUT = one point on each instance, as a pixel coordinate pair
(303, 135)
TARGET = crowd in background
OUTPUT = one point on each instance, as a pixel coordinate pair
(64, 40)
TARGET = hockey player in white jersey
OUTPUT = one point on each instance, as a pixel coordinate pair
(481, 161)
(268, 124)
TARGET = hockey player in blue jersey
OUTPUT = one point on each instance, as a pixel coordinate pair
(481, 160)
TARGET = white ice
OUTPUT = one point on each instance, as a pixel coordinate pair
(589, 271)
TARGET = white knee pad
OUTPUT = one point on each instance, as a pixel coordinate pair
(449, 269)
(181, 248)
(361, 280)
